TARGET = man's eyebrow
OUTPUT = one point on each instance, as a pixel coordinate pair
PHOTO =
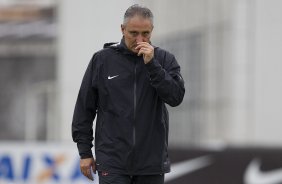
(139, 31)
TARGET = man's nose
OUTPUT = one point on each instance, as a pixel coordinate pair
(139, 38)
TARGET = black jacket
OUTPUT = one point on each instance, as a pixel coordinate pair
(129, 99)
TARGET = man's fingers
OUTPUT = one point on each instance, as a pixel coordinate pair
(143, 50)
(146, 50)
(140, 52)
(139, 47)
(87, 173)
(85, 167)
(142, 44)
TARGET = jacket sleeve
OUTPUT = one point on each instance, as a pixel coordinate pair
(167, 80)
(85, 112)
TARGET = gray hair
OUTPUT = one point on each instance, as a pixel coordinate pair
(137, 10)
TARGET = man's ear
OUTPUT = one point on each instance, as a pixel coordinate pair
(122, 29)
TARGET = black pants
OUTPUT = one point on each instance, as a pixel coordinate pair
(108, 178)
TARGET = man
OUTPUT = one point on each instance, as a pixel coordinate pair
(127, 86)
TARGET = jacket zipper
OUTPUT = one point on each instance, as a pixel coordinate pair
(134, 115)
(131, 170)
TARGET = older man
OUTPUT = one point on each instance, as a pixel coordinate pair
(127, 86)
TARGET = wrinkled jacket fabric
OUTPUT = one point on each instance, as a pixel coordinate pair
(129, 100)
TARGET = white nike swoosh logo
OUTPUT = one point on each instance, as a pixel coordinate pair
(188, 166)
(254, 175)
(111, 77)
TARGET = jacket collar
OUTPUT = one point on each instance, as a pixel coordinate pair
(124, 48)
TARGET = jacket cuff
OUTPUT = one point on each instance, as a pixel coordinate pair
(153, 65)
(84, 151)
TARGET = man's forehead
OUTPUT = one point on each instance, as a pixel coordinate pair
(139, 27)
(137, 20)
